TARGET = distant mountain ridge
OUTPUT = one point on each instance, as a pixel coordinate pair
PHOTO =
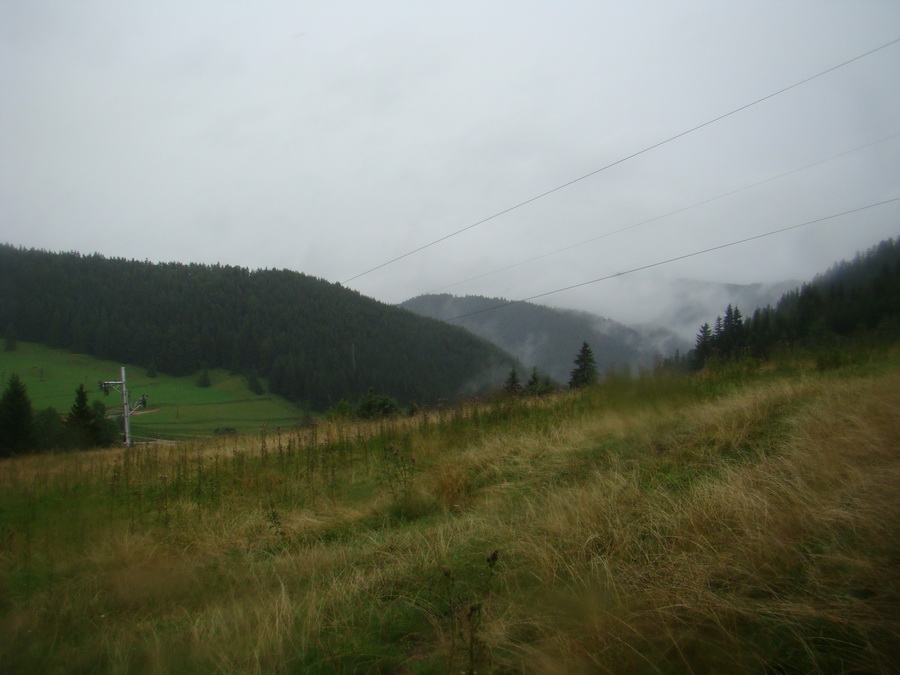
(549, 338)
(315, 341)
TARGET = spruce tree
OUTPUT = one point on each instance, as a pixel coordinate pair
(702, 347)
(731, 341)
(531, 387)
(513, 386)
(16, 419)
(85, 429)
(585, 371)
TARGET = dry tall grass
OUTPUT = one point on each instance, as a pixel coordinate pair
(660, 530)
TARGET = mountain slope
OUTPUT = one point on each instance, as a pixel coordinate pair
(546, 337)
(315, 341)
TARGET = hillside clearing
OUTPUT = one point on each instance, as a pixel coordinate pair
(184, 410)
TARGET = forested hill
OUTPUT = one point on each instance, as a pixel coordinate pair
(854, 298)
(315, 341)
(546, 337)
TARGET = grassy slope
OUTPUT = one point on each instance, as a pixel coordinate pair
(181, 408)
(732, 522)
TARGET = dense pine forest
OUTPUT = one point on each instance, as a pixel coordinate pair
(315, 342)
(857, 297)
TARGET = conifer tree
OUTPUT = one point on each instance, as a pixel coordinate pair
(513, 386)
(539, 386)
(702, 347)
(533, 382)
(731, 339)
(585, 371)
(16, 419)
(85, 429)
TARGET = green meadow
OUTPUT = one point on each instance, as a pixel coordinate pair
(177, 408)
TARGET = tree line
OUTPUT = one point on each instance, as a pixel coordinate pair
(853, 297)
(22, 430)
(314, 342)
(584, 374)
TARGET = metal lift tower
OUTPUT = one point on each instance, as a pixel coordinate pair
(127, 409)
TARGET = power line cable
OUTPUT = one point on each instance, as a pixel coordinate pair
(660, 217)
(675, 259)
(625, 159)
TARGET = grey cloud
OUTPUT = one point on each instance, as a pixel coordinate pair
(329, 138)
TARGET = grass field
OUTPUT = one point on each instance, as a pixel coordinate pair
(739, 521)
(180, 408)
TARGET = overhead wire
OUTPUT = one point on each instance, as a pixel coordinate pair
(660, 217)
(676, 258)
(625, 159)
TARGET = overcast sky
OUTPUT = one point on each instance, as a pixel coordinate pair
(331, 137)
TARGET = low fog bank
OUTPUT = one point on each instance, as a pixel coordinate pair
(549, 338)
(679, 306)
